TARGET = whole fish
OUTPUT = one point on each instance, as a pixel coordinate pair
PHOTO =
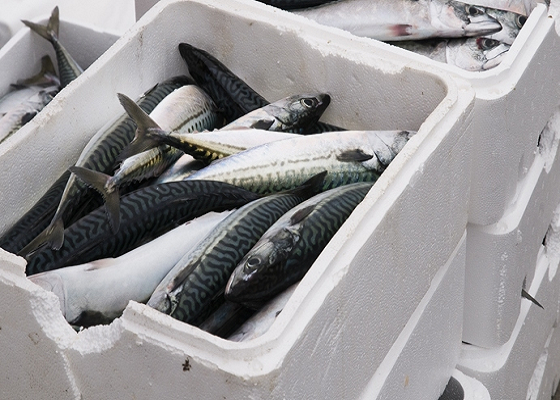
(348, 156)
(393, 20)
(98, 291)
(262, 320)
(202, 274)
(288, 114)
(145, 214)
(186, 109)
(100, 154)
(230, 93)
(68, 68)
(289, 247)
(472, 54)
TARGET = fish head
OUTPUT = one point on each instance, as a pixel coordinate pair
(387, 144)
(298, 110)
(476, 54)
(457, 19)
(163, 301)
(259, 275)
(511, 24)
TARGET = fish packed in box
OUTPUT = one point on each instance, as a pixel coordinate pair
(292, 179)
(470, 36)
(29, 96)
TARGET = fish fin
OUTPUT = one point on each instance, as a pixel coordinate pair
(52, 235)
(143, 139)
(310, 187)
(400, 30)
(526, 294)
(46, 76)
(262, 124)
(356, 155)
(98, 181)
(25, 118)
(301, 214)
(50, 31)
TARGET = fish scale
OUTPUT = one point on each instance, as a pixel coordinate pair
(294, 242)
(202, 274)
(146, 213)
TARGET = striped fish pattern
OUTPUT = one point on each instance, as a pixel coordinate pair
(68, 68)
(203, 273)
(100, 154)
(229, 92)
(145, 214)
(288, 249)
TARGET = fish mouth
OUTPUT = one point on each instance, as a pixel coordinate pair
(324, 101)
(481, 28)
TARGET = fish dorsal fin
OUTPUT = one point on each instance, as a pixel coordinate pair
(355, 155)
(300, 215)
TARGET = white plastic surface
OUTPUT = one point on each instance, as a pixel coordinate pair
(502, 255)
(367, 286)
(507, 371)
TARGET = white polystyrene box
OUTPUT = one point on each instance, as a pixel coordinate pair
(501, 256)
(382, 267)
(507, 371)
(513, 102)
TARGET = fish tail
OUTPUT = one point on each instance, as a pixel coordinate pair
(52, 235)
(148, 133)
(49, 31)
(47, 75)
(98, 181)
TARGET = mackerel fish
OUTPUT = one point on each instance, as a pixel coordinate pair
(186, 109)
(68, 68)
(394, 20)
(471, 54)
(202, 274)
(230, 93)
(289, 247)
(145, 213)
(100, 154)
(98, 291)
(348, 156)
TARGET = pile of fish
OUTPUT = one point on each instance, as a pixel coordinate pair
(28, 97)
(470, 36)
(201, 199)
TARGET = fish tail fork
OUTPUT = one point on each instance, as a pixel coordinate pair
(49, 31)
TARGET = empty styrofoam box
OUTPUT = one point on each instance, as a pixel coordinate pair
(501, 256)
(374, 278)
(106, 15)
(507, 371)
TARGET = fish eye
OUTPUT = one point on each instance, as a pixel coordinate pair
(308, 103)
(520, 20)
(253, 262)
(486, 43)
(473, 11)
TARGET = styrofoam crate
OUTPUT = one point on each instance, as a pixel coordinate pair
(501, 256)
(507, 371)
(351, 308)
(546, 376)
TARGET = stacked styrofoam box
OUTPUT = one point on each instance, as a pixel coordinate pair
(360, 321)
(513, 370)
(463, 387)
(107, 15)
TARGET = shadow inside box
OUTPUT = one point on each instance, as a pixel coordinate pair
(453, 391)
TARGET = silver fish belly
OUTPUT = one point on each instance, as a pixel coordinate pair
(103, 288)
(404, 19)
